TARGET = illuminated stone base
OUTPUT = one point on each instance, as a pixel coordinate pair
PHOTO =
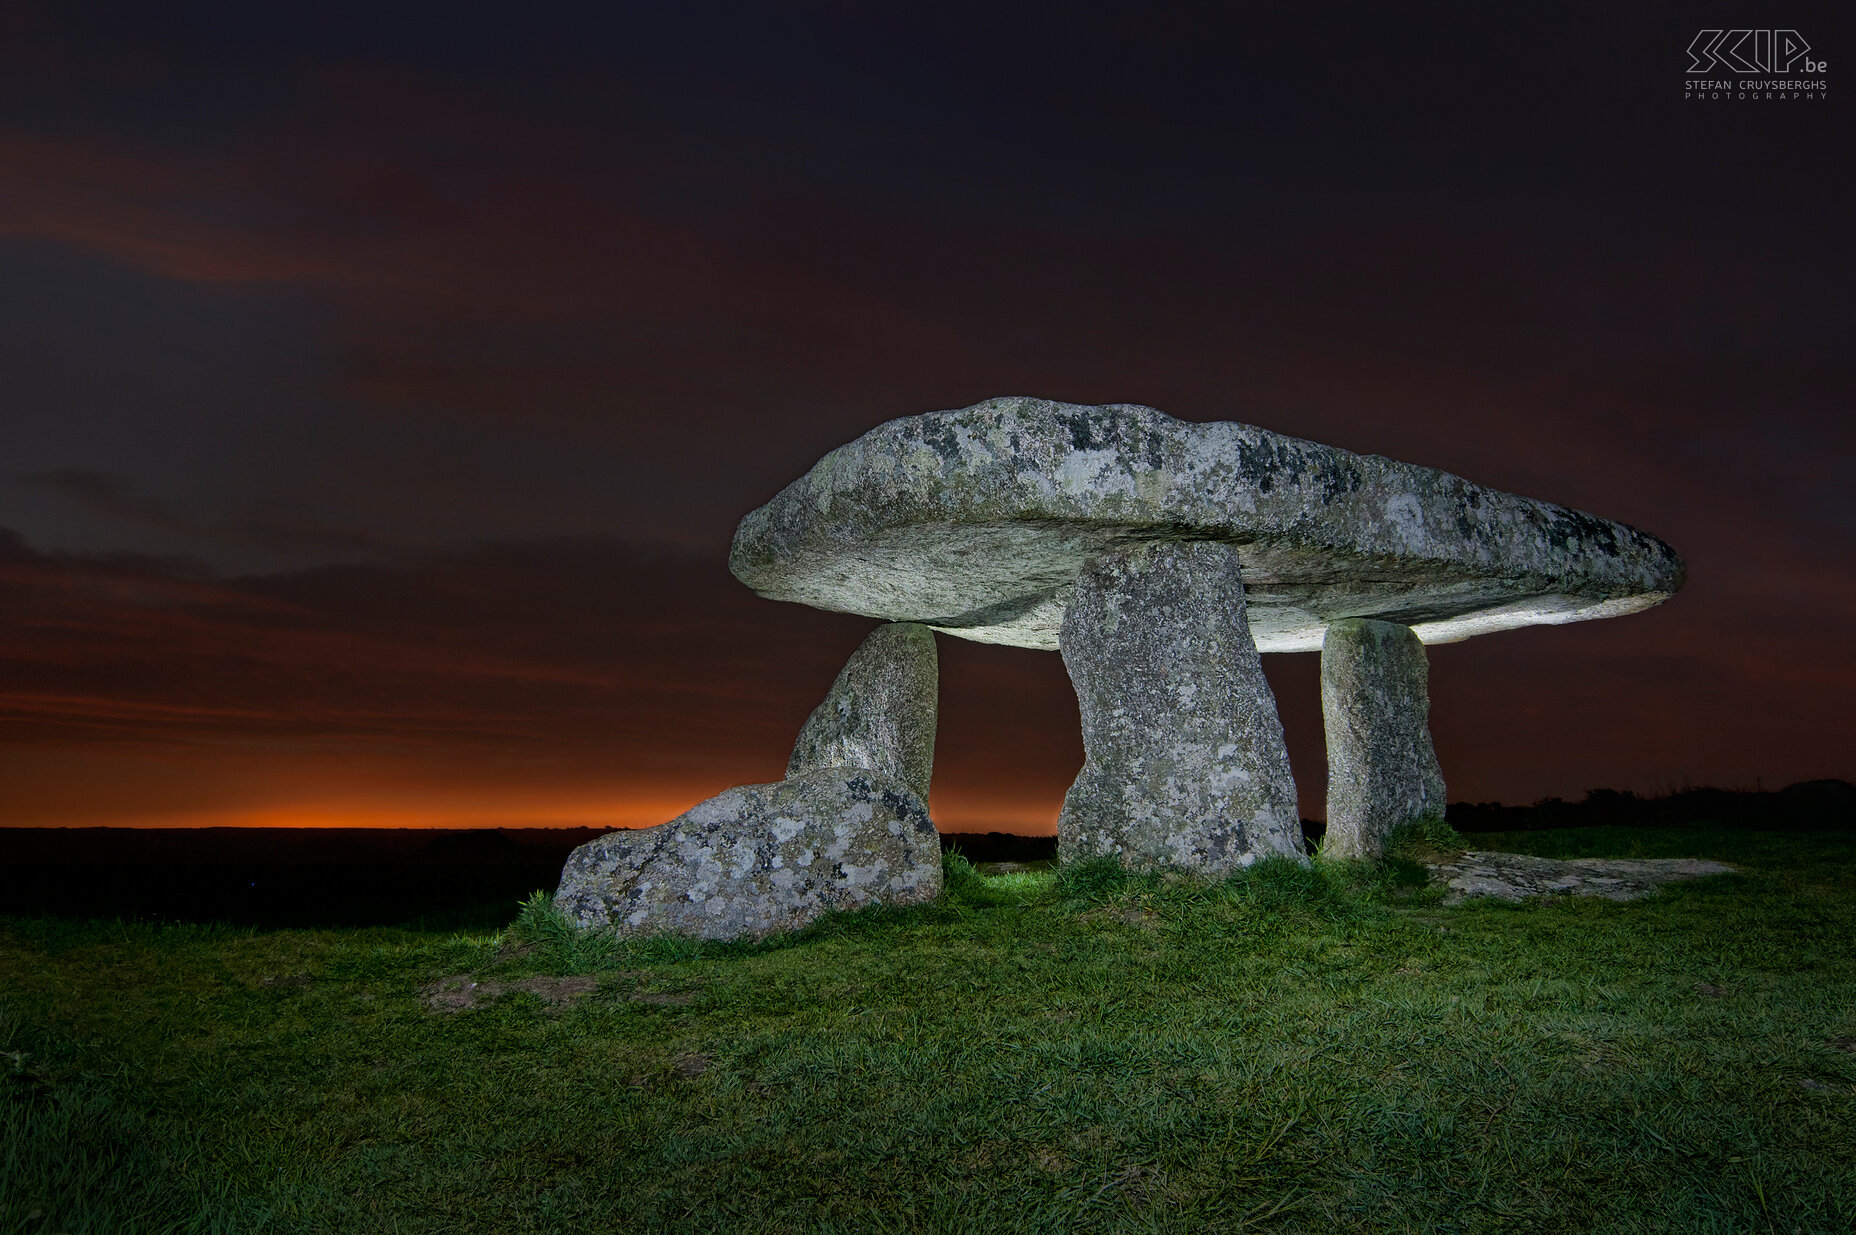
(1185, 766)
(1382, 769)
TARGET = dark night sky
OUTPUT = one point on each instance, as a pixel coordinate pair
(379, 386)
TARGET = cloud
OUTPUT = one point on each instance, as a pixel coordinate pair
(272, 524)
(634, 664)
(111, 496)
(560, 679)
(437, 643)
(590, 671)
(551, 335)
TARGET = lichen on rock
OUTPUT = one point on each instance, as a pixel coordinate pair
(977, 521)
(880, 712)
(1185, 766)
(758, 859)
(1519, 876)
(1382, 766)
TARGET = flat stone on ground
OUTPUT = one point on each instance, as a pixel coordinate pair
(1517, 876)
(978, 521)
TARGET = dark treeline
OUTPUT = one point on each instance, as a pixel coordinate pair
(1811, 805)
(475, 878)
(1000, 846)
(464, 878)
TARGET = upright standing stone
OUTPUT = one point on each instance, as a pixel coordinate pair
(1382, 768)
(880, 714)
(847, 827)
(1185, 765)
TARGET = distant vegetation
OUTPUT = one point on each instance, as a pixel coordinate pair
(1807, 806)
(1296, 1049)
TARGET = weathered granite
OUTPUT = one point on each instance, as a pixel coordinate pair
(758, 859)
(977, 522)
(1382, 767)
(880, 713)
(1517, 876)
(1185, 766)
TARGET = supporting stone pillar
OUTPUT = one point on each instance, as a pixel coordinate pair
(847, 827)
(1185, 766)
(880, 713)
(1382, 768)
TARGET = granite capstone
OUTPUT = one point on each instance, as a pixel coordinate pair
(977, 522)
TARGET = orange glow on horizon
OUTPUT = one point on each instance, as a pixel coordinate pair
(509, 807)
(598, 812)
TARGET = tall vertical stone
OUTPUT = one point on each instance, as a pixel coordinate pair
(1185, 765)
(880, 713)
(1382, 768)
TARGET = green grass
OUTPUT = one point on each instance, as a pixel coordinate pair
(1303, 1050)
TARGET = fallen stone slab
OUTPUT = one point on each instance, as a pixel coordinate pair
(978, 521)
(1517, 876)
(1184, 764)
(757, 859)
(880, 712)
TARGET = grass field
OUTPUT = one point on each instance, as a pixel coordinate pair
(1295, 1050)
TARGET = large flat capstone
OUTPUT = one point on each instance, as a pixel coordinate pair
(977, 523)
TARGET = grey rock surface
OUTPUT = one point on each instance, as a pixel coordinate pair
(1382, 767)
(977, 522)
(880, 713)
(1184, 762)
(1518, 876)
(758, 859)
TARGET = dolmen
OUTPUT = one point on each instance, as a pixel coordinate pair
(1159, 557)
